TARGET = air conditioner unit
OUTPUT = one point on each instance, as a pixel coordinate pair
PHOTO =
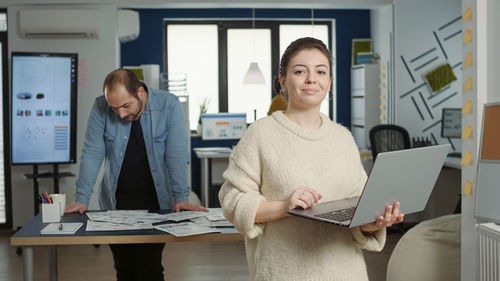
(58, 23)
(128, 25)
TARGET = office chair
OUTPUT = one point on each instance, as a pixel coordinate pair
(385, 138)
(388, 138)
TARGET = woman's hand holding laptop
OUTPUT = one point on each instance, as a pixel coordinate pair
(306, 197)
(391, 216)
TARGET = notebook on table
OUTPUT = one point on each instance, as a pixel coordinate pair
(407, 176)
(63, 228)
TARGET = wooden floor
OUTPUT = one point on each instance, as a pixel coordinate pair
(202, 261)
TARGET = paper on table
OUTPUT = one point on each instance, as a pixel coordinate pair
(67, 228)
(185, 229)
(111, 226)
(213, 219)
(184, 215)
(142, 216)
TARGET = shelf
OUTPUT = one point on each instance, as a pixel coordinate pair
(49, 175)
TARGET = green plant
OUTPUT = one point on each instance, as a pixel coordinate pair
(203, 108)
(440, 77)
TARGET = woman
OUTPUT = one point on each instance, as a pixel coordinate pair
(292, 159)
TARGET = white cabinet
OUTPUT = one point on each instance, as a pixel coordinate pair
(365, 102)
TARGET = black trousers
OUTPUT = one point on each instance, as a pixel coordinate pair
(138, 261)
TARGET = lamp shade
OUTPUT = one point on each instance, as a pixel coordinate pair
(254, 75)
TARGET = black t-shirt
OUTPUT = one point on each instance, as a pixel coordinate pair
(136, 189)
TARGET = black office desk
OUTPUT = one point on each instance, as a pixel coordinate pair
(29, 236)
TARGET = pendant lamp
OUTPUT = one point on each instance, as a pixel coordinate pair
(254, 74)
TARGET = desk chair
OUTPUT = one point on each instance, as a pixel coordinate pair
(385, 138)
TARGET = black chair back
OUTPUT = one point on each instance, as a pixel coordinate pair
(388, 138)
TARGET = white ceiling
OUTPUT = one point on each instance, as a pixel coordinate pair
(317, 4)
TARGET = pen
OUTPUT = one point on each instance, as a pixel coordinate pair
(60, 226)
(48, 197)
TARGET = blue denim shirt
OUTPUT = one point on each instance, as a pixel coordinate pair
(166, 142)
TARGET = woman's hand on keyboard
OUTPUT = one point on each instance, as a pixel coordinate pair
(303, 197)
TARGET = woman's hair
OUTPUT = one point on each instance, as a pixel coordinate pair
(123, 77)
(302, 44)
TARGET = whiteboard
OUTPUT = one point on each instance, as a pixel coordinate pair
(487, 205)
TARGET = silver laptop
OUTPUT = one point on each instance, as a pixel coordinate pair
(407, 176)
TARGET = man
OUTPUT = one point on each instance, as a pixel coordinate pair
(139, 133)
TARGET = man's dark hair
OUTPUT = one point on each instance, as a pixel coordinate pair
(123, 77)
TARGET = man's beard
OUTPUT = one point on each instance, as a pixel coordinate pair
(133, 116)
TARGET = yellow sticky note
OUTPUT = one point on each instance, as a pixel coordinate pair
(467, 158)
(468, 187)
(381, 85)
(382, 106)
(468, 60)
(467, 36)
(467, 108)
(467, 133)
(468, 84)
(382, 116)
(382, 95)
(467, 14)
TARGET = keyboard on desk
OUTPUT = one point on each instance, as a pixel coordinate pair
(338, 215)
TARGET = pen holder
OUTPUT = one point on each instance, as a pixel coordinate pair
(51, 213)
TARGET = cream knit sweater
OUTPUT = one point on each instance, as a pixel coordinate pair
(274, 157)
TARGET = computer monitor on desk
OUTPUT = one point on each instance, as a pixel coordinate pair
(451, 127)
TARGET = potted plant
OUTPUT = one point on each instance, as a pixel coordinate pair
(203, 110)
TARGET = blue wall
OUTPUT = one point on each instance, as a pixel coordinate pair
(148, 48)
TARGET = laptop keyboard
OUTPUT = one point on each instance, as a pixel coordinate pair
(338, 215)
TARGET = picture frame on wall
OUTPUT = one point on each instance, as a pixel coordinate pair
(439, 77)
(360, 45)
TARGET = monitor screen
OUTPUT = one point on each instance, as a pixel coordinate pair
(488, 176)
(451, 123)
(43, 108)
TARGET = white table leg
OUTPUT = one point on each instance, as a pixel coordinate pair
(28, 263)
(204, 182)
(53, 263)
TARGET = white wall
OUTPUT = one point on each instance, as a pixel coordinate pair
(100, 56)
(493, 45)
(426, 31)
(381, 23)
(382, 31)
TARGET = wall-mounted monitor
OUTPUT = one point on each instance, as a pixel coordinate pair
(451, 123)
(43, 107)
(488, 175)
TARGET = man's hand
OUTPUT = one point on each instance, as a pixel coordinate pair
(77, 207)
(180, 206)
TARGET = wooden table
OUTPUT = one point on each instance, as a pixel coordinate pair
(29, 236)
